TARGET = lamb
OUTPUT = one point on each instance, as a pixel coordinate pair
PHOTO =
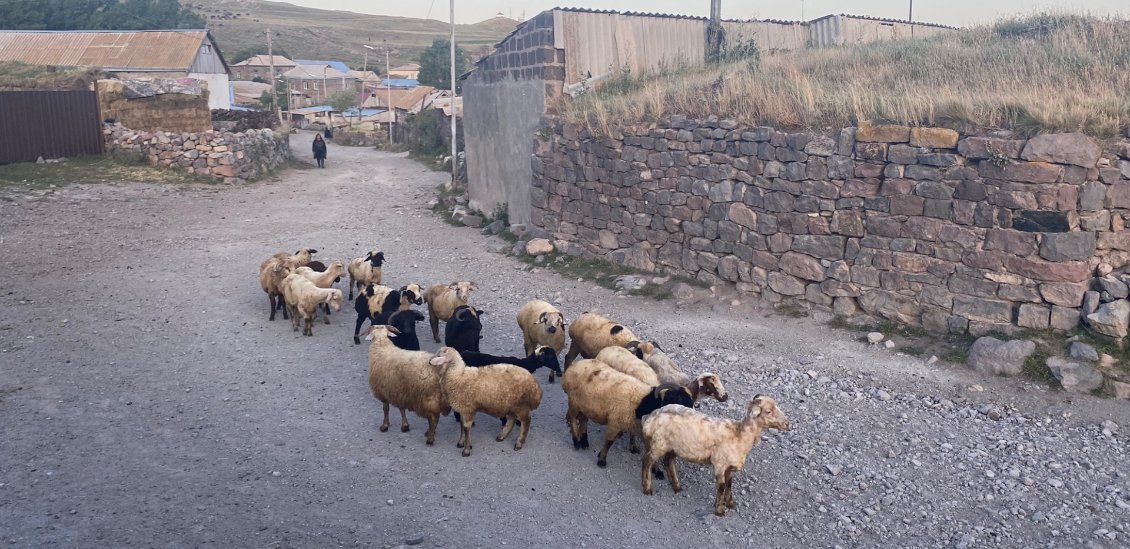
(404, 379)
(405, 324)
(463, 330)
(617, 400)
(542, 324)
(376, 304)
(274, 269)
(592, 332)
(324, 278)
(675, 431)
(442, 300)
(365, 270)
(303, 297)
(500, 390)
(707, 384)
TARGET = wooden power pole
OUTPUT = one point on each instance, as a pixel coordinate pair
(274, 87)
(454, 144)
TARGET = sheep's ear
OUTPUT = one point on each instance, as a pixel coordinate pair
(656, 345)
(419, 316)
(474, 286)
(313, 251)
(453, 285)
(438, 361)
(480, 312)
(616, 329)
(393, 329)
(541, 318)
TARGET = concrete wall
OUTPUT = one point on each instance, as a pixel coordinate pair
(920, 226)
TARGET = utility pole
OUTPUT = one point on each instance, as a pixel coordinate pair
(274, 87)
(454, 144)
(911, 18)
(715, 35)
(388, 86)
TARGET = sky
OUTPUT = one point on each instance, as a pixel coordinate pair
(948, 12)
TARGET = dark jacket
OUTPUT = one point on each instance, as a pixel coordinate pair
(319, 149)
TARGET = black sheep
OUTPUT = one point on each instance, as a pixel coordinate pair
(463, 331)
(376, 318)
(405, 322)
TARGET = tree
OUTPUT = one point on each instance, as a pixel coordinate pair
(280, 89)
(342, 101)
(435, 65)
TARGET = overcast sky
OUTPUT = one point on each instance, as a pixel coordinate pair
(950, 12)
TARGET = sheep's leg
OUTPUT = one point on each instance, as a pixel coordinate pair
(284, 308)
(293, 316)
(433, 320)
(465, 435)
(610, 436)
(578, 427)
(730, 488)
(384, 424)
(525, 420)
(430, 436)
(351, 284)
(632, 446)
(309, 324)
(507, 426)
(574, 350)
(403, 421)
(645, 473)
(357, 328)
(271, 297)
(672, 474)
(327, 308)
(719, 494)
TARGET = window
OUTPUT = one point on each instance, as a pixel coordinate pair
(206, 48)
(315, 84)
(305, 85)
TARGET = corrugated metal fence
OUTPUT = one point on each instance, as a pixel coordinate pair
(51, 124)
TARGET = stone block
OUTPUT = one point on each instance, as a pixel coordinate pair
(907, 205)
(1068, 246)
(992, 356)
(891, 305)
(882, 133)
(983, 310)
(1075, 377)
(845, 307)
(742, 215)
(920, 172)
(847, 222)
(1063, 148)
(872, 152)
(934, 138)
(802, 266)
(785, 284)
(823, 247)
(1064, 318)
(1118, 195)
(1046, 271)
(979, 148)
(974, 191)
(1064, 294)
(1023, 172)
(941, 160)
(1033, 316)
(933, 189)
(903, 154)
(820, 146)
(1092, 197)
(1038, 221)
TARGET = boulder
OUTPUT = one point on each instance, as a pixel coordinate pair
(640, 257)
(1111, 288)
(1111, 319)
(989, 355)
(1063, 148)
(1082, 351)
(1120, 390)
(1075, 377)
(473, 221)
(539, 246)
(1090, 302)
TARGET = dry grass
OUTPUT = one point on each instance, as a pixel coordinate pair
(21, 76)
(1044, 72)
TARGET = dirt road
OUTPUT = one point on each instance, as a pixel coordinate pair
(146, 401)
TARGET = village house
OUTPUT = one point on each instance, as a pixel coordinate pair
(311, 85)
(259, 66)
(127, 54)
(411, 71)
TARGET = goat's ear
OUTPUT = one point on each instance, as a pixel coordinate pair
(616, 329)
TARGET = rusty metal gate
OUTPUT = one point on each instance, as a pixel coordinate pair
(51, 124)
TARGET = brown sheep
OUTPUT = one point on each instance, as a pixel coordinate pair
(616, 400)
(542, 324)
(442, 300)
(707, 384)
(404, 379)
(365, 270)
(274, 269)
(303, 298)
(324, 278)
(676, 431)
(501, 390)
(592, 332)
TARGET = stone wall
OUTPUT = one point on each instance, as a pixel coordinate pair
(917, 225)
(150, 105)
(233, 157)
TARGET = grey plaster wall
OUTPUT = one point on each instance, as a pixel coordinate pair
(500, 119)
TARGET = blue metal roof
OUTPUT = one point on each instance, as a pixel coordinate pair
(400, 83)
(337, 65)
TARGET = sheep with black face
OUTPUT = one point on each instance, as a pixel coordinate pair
(405, 323)
(442, 301)
(365, 270)
(464, 329)
(376, 304)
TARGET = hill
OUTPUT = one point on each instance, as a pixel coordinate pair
(308, 33)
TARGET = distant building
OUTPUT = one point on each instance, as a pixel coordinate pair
(260, 66)
(411, 71)
(247, 93)
(313, 84)
(127, 54)
(335, 65)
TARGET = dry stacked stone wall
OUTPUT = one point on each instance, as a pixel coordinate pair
(918, 225)
(233, 157)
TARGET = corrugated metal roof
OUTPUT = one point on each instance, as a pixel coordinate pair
(265, 61)
(337, 65)
(407, 68)
(109, 50)
(885, 20)
(303, 71)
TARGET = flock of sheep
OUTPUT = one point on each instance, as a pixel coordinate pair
(624, 383)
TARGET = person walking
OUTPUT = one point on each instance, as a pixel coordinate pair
(320, 150)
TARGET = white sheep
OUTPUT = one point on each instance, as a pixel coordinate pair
(274, 269)
(707, 384)
(500, 390)
(442, 301)
(616, 400)
(302, 299)
(592, 332)
(624, 361)
(677, 431)
(323, 279)
(365, 270)
(404, 379)
(542, 324)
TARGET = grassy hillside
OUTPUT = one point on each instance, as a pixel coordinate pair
(1030, 74)
(307, 33)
